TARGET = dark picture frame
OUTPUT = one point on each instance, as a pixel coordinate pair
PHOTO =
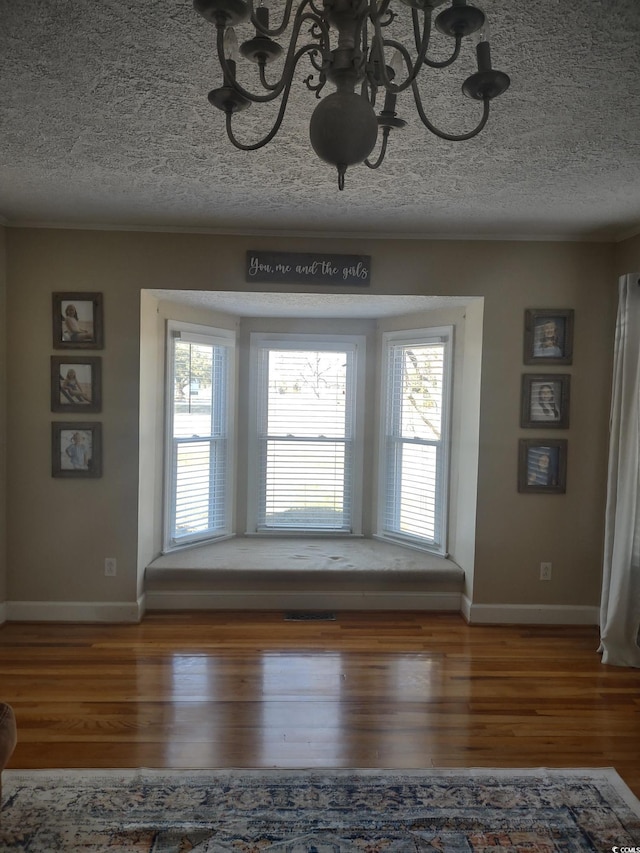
(542, 465)
(77, 321)
(548, 336)
(545, 400)
(76, 384)
(76, 449)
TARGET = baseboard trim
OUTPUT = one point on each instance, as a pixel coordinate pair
(474, 614)
(307, 600)
(529, 614)
(75, 611)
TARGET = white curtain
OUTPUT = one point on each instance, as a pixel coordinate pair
(620, 604)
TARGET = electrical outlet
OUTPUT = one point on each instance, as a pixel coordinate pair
(545, 571)
(110, 567)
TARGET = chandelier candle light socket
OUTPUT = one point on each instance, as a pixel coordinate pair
(350, 44)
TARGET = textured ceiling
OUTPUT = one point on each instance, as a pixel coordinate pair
(105, 122)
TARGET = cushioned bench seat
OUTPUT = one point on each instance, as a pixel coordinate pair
(278, 573)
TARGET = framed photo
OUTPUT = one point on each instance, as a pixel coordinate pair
(76, 449)
(77, 321)
(542, 465)
(76, 384)
(548, 336)
(545, 401)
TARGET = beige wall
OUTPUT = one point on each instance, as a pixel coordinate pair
(61, 530)
(627, 256)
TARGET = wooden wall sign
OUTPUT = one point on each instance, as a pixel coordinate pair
(303, 268)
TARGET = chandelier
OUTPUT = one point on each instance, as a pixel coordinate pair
(348, 43)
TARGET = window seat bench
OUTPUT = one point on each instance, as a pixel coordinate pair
(303, 573)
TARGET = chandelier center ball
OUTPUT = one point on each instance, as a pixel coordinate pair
(343, 129)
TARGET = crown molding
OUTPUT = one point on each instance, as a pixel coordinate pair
(319, 235)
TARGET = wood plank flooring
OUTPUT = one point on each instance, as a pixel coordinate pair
(367, 690)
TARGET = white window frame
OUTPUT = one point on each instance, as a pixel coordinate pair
(259, 341)
(193, 333)
(416, 337)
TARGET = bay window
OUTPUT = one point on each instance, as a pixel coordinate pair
(304, 443)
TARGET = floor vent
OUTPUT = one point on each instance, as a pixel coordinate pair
(309, 616)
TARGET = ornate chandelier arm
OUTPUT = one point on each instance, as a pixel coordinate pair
(377, 47)
(290, 62)
(319, 12)
(283, 106)
(264, 82)
(422, 45)
(451, 137)
(369, 86)
(378, 9)
(263, 79)
(314, 51)
(432, 63)
(417, 37)
(277, 31)
(383, 150)
(369, 91)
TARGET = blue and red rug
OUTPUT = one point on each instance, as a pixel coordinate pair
(281, 811)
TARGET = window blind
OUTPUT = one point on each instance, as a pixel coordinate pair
(305, 437)
(198, 478)
(413, 443)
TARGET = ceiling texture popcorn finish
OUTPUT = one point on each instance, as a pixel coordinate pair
(105, 122)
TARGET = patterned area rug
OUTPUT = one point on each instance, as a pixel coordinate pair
(318, 811)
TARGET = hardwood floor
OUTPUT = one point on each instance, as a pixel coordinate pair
(368, 690)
